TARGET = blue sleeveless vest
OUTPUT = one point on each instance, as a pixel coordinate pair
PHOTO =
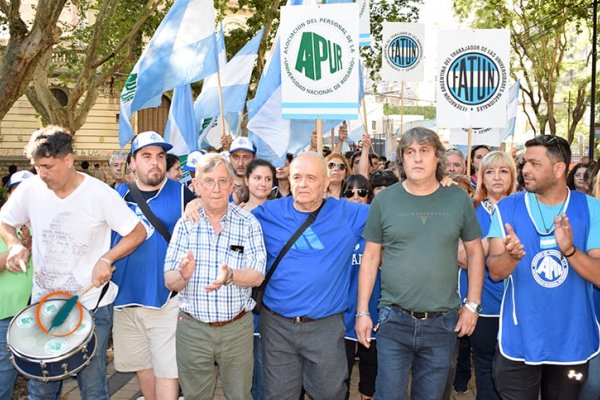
(140, 275)
(547, 313)
(491, 294)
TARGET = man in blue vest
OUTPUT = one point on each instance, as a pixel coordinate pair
(546, 243)
(145, 310)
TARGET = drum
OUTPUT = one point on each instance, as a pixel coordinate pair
(53, 356)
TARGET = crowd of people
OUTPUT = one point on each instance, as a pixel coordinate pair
(277, 280)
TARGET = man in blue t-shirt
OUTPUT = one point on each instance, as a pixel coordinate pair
(546, 243)
(301, 321)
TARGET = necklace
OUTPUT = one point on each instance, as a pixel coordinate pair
(548, 229)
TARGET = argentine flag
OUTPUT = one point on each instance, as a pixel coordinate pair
(235, 78)
(182, 128)
(181, 51)
(511, 111)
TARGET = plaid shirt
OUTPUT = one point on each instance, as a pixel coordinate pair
(240, 245)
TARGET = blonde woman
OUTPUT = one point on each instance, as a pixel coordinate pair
(337, 170)
(496, 179)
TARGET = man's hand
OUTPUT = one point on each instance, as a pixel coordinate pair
(220, 281)
(226, 142)
(191, 212)
(187, 265)
(467, 320)
(16, 260)
(102, 272)
(513, 245)
(563, 233)
(363, 328)
(343, 132)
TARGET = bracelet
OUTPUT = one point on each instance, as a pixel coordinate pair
(106, 260)
(362, 314)
(571, 253)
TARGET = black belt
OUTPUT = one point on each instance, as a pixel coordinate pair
(422, 315)
(298, 320)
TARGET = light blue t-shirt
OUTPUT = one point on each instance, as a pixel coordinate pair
(547, 217)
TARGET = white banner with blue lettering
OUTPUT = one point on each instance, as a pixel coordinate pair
(472, 78)
(319, 61)
(487, 136)
(402, 51)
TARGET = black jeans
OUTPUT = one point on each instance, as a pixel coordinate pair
(367, 366)
(483, 344)
(516, 380)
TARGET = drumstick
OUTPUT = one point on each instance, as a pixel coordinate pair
(65, 310)
(23, 265)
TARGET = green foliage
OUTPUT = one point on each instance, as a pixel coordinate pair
(428, 112)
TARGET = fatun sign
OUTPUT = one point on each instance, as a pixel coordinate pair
(319, 61)
(402, 51)
(472, 87)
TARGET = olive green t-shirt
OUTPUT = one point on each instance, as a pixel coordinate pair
(419, 236)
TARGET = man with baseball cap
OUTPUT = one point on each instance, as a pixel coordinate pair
(241, 153)
(145, 310)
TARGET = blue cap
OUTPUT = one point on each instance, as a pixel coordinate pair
(149, 138)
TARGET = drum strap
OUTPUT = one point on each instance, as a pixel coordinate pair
(102, 293)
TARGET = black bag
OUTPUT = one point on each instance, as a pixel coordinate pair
(258, 292)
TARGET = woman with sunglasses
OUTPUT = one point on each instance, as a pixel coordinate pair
(356, 188)
(337, 169)
(496, 179)
(259, 181)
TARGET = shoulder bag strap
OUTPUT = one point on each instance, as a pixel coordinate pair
(139, 199)
(291, 242)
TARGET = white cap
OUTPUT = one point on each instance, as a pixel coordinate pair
(149, 138)
(18, 177)
(242, 143)
(192, 160)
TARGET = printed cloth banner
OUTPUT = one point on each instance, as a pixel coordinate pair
(319, 61)
(488, 136)
(473, 73)
(364, 16)
(402, 51)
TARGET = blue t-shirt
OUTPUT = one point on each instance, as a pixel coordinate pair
(313, 278)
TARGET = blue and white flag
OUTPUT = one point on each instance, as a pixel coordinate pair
(365, 19)
(511, 111)
(182, 128)
(181, 51)
(235, 78)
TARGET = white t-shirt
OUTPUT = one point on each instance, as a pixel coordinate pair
(70, 234)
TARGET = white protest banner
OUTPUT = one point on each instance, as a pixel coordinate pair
(473, 73)
(319, 61)
(365, 23)
(402, 51)
(488, 136)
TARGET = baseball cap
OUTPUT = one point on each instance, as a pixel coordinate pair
(149, 138)
(18, 177)
(192, 160)
(242, 143)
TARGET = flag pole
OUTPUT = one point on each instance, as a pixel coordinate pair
(221, 113)
(469, 144)
(319, 129)
(365, 125)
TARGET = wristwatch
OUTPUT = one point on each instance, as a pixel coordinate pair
(229, 277)
(472, 306)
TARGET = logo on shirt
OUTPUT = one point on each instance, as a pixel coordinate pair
(308, 241)
(549, 268)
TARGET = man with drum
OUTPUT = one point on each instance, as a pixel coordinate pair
(71, 215)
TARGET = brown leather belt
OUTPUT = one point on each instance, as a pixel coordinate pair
(298, 320)
(219, 324)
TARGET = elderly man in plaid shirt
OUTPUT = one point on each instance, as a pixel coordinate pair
(213, 263)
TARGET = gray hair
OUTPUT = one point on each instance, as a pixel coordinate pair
(118, 155)
(422, 136)
(210, 161)
(312, 155)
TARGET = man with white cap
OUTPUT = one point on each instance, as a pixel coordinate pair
(15, 290)
(241, 153)
(72, 215)
(145, 310)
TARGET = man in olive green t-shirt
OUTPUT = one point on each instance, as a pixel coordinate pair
(416, 225)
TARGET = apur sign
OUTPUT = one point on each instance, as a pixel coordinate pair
(473, 78)
(402, 51)
(319, 61)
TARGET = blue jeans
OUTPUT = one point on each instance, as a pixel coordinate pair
(92, 380)
(258, 387)
(8, 373)
(424, 347)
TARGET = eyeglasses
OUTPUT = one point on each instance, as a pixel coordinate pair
(210, 183)
(554, 141)
(350, 192)
(340, 166)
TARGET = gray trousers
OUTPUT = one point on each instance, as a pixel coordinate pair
(310, 354)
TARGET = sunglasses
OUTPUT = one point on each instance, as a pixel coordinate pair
(350, 192)
(340, 166)
(553, 141)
